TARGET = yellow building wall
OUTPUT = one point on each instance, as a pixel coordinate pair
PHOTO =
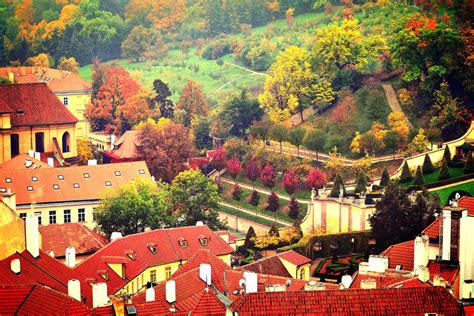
(76, 105)
(12, 232)
(295, 271)
(101, 140)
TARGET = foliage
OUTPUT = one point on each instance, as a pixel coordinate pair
(399, 123)
(418, 177)
(469, 166)
(41, 60)
(166, 147)
(361, 183)
(237, 192)
(397, 218)
(249, 238)
(201, 130)
(419, 143)
(279, 133)
(392, 141)
(195, 198)
(316, 179)
(315, 140)
(291, 85)
(192, 101)
(268, 175)
(273, 202)
(336, 187)
(234, 167)
(252, 170)
(84, 151)
(296, 137)
(274, 232)
(294, 208)
(239, 113)
(447, 155)
(290, 182)
(219, 159)
(141, 44)
(363, 164)
(236, 147)
(68, 64)
(254, 198)
(132, 207)
(161, 101)
(335, 162)
(385, 179)
(427, 165)
(406, 175)
(260, 130)
(444, 170)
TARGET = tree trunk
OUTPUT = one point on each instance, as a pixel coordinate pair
(281, 148)
(317, 155)
(301, 115)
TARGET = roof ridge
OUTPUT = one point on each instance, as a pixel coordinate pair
(86, 230)
(41, 268)
(25, 299)
(172, 244)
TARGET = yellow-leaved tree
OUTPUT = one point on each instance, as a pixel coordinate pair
(399, 123)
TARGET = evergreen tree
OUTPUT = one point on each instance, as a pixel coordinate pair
(418, 176)
(273, 202)
(427, 165)
(297, 226)
(444, 171)
(294, 208)
(469, 166)
(384, 181)
(236, 192)
(336, 187)
(447, 155)
(249, 238)
(274, 231)
(254, 198)
(406, 174)
(361, 183)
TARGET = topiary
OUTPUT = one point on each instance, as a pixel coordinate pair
(406, 175)
(447, 155)
(236, 192)
(294, 208)
(361, 183)
(444, 171)
(336, 187)
(385, 178)
(427, 165)
(418, 176)
(469, 166)
(273, 202)
(274, 231)
(254, 198)
(249, 238)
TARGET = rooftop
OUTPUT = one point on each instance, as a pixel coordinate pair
(400, 254)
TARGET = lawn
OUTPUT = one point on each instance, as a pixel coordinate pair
(446, 192)
(247, 216)
(434, 176)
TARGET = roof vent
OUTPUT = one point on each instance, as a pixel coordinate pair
(28, 163)
(183, 242)
(314, 286)
(104, 274)
(288, 283)
(170, 291)
(203, 240)
(131, 254)
(205, 273)
(242, 283)
(115, 236)
(15, 266)
(51, 253)
(346, 281)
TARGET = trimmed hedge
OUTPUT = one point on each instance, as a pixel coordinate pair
(427, 165)
(406, 175)
(418, 177)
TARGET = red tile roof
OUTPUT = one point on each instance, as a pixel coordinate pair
(432, 231)
(126, 147)
(58, 237)
(447, 271)
(34, 104)
(387, 280)
(269, 265)
(467, 203)
(209, 305)
(294, 257)
(57, 80)
(402, 254)
(89, 188)
(403, 301)
(19, 163)
(37, 300)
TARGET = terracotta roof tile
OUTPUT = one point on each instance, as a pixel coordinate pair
(268, 265)
(34, 104)
(432, 231)
(58, 237)
(294, 257)
(126, 147)
(467, 203)
(447, 271)
(387, 280)
(209, 305)
(400, 254)
(19, 163)
(403, 301)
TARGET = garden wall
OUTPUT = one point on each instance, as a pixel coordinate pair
(242, 225)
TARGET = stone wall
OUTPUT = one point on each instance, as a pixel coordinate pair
(242, 225)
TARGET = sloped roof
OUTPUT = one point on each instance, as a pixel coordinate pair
(57, 237)
(38, 300)
(387, 280)
(57, 80)
(403, 301)
(34, 104)
(432, 231)
(467, 203)
(126, 146)
(294, 257)
(402, 253)
(269, 265)
(19, 163)
(69, 184)
(445, 270)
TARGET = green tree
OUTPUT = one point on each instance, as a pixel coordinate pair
(385, 179)
(279, 133)
(139, 40)
(418, 177)
(447, 155)
(239, 113)
(444, 171)
(293, 208)
(469, 166)
(132, 207)
(336, 187)
(427, 165)
(391, 141)
(406, 175)
(296, 137)
(195, 198)
(201, 131)
(315, 140)
(161, 100)
(249, 238)
(361, 183)
(274, 231)
(68, 64)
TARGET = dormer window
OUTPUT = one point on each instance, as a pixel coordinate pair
(141, 171)
(108, 183)
(3, 190)
(86, 175)
(203, 240)
(34, 179)
(152, 247)
(183, 242)
(118, 173)
(76, 185)
(8, 180)
(60, 177)
(131, 254)
(29, 188)
(103, 274)
(55, 186)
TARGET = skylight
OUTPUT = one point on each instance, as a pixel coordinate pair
(34, 178)
(108, 183)
(86, 175)
(55, 186)
(76, 185)
(8, 180)
(118, 173)
(29, 188)
(60, 177)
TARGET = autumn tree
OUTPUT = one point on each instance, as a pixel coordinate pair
(293, 208)
(139, 42)
(419, 143)
(41, 60)
(316, 179)
(268, 176)
(161, 100)
(234, 167)
(296, 137)
(315, 140)
(335, 162)
(68, 64)
(219, 159)
(164, 15)
(291, 85)
(84, 151)
(273, 203)
(399, 123)
(254, 198)
(236, 192)
(192, 102)
(290, 182)
(279, 133)
(252, 170)
(239, 113)
(166, 147)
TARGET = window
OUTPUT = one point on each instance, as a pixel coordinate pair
(8, 180)
(38, 215)
(23, 216)
(302, 274)
(130, 254)
(183, 242)
(3, 190)
(39, 142)
(94, 214)
(34, 179)
(167, 273)
(76, 185)
(29, 188)
(117, 173)
(66, 142)
(203, 240)
(398, 267)
(152, 247)
(66, 101)
(67, 216)
(81, 215)
(141, 171)
(153, 276)
(14, 145)
(55, 186)
(86, 175)
(108, 183)
(60, 177)
(104, 274)
(52, 217)
(317, 246)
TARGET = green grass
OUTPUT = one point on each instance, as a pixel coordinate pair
(446, 192)
(247, 216)
(434, 176)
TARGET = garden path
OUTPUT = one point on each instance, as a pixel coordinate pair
(253, 213)
(393, 101)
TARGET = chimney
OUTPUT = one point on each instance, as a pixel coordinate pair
(421, 252)
(112, 141)
(37, 156)
(314, 286)
(31, 153)
(11, 77)
(100, 297)
(205, 273)
(171, 291)
(32, 235)
(92, 162)
(346, 281)
(446, 246)
(74, 289)
(150, 294)
(378, 264)
(199, 223)
(115, 236)
(363, 268)
(251, 285)
(71, 257)
(51, 162)
(28, 163)
(368, 284)
(439, 281)
(275, 288)
(423, 274)
(467, 290)
(15, 266)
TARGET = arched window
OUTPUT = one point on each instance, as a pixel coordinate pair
(302, 274)
(66, 142)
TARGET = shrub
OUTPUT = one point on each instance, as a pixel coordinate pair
(237, 192)
(444, 171)
(220, 188)
(290, 182)
(469, 166)
(234, 167)
(268, 176)
(316, 179)
(336, 187)
(252, 170)
(294, 208)
(361, 183)
(249, 238)
(427, 165)
(447, 155)
(418, 177)
(385, 178)
(273, 202)
(254, 198)
(274, 231)
(406, 174)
